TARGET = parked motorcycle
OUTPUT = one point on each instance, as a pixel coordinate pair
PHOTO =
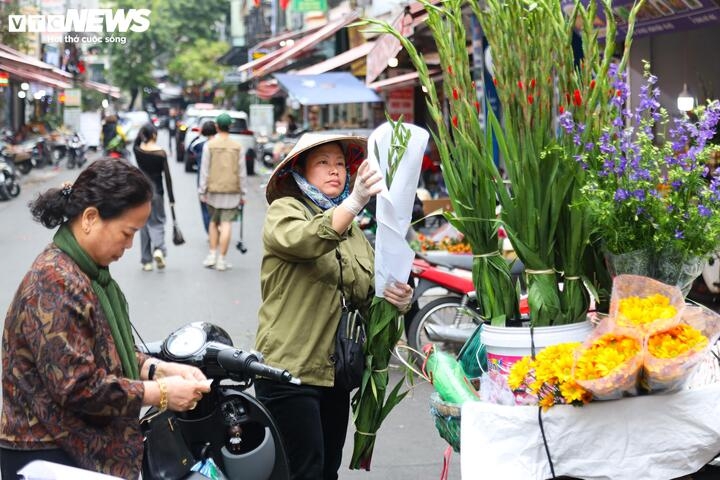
(76, 149)
(228, 424)
(9, 185)
(450, 319)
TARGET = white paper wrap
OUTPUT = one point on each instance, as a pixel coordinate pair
(641, 438)
(393, 255)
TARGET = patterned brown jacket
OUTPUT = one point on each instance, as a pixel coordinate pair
(62, 382)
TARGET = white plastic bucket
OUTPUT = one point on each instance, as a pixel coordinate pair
(507, 345)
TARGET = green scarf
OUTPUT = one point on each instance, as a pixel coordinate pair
(111, 298)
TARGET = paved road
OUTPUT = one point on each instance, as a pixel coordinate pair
(408, 446)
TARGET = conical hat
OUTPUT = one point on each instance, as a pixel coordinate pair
(281, 183)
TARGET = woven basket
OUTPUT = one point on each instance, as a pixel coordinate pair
(447, 420)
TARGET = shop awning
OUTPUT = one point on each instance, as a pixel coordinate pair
(32, 76)
(338, 60)
(326, 88)
(103, 88)
(304, 44)
(258, 62)
(277, 40)
(400, 81)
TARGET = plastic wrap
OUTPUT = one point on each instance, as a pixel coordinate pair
(673, 268)
(627, 286)
(448, 378)
(670, 374)
(623, 357)
(637, 262)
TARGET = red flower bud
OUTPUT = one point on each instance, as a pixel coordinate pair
(562, 109)
(530, 99)
(495, 81)
(567, 98)
(456, 95)
(618, 93)
(577, 98)
(477, 106)
(592, 84)
(450, 70)
(455, 121)
(520, 85)
(532, 84)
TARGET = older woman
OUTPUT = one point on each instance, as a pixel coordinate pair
(73, 383)
(309, 224)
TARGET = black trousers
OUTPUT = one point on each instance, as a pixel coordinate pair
(13, 460)
(313, 424)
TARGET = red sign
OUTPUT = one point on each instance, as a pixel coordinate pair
(401, 101)
(4, 79)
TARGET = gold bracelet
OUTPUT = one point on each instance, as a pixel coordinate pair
(163, 394)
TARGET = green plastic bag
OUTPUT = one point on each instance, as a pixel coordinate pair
(448, 378)
(472, 356)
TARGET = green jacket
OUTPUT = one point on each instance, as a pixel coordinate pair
(299, 284)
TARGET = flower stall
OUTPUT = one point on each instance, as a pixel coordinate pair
(591, 188)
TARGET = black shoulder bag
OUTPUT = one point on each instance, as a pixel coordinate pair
(166, 455)
(349, 342)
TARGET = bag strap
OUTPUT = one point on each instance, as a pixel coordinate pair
(340, 286)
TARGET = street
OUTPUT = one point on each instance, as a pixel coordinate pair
(408, 445)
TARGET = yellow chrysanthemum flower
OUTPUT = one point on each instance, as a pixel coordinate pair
(644, 310)
(605, 355)
(676, 341)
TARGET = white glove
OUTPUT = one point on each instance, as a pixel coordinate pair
(367, 184)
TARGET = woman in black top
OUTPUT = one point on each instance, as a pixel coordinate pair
(152, 160)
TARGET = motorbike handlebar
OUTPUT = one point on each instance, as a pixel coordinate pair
(235, 360)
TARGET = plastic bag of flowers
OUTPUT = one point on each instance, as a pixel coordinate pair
(547, 379)
(673, 353)
(641, 305)
(608, 364)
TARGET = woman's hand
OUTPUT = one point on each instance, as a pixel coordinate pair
(169, 369)
(400, 295)
(183, 394)
(368, 182)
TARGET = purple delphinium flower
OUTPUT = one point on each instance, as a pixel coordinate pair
(566, 122)
(621, 195)
(679, 234)
(704, 211)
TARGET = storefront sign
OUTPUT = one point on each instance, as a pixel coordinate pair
(659, 16)
(309, 5)
(401, 101)
(73, 97)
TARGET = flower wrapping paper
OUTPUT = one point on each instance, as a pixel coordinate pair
(393, 255)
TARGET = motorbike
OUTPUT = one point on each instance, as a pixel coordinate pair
(76, 148)
(9, 185)
(228, 425)
(450, 319)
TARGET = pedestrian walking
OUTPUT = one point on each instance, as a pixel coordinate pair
(152, 160)
(222, 188)
(73, 383)
(308, 234)
(208, 131)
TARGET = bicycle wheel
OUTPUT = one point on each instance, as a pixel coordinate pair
(443, 313)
